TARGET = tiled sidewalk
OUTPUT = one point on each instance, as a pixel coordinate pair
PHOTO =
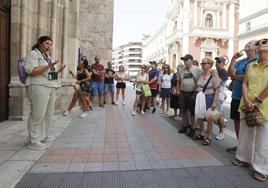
(112, 148)
(110, 139)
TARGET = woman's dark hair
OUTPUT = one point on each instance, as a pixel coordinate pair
(40, 41)
(85, 63)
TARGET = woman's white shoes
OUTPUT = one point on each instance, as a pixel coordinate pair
(84, 114)
(66, 113)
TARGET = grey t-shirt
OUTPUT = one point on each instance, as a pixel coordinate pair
(186, 78)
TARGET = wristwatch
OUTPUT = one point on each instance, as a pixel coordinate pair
(258, 100)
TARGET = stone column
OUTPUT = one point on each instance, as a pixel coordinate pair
(53, 22)
(195, 13)
(224, 16)
(218, 19)
(201, 17)
(65, 36)
(185, 28)
(231, 28)
(23, 31)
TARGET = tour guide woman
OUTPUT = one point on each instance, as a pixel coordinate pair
(41, 85)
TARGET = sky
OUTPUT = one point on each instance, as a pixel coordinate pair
(133, 18)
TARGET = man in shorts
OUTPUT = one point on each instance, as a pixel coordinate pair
(109, 82)
(153, 76)
(186, 89)
(98, 75)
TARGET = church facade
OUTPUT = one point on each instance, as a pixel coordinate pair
(75, 26)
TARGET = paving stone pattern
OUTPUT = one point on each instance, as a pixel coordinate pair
(112, 148)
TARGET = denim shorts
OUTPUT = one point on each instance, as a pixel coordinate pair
(165, 93)
(109, 88)
(98, 87)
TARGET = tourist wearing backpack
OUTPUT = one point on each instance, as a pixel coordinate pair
(41, 85)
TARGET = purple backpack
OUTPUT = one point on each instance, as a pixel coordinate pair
(21, 70)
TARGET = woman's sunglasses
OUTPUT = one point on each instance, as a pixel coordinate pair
(262, 41)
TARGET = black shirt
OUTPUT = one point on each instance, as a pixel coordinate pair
(109, 71)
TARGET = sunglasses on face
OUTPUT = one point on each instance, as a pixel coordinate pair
(262, 41)
(203, 63)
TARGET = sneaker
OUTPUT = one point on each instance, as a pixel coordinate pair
(104, 103)
(66, 113)
(142, 112)
(166, 112)
(113, 103)
(162, 112)
(37, 146)
(153, 111)
(183, 130)
(133, 113)
(220, 136)
(90, 107)
(100, 105)
(83, 115)
(124, 103)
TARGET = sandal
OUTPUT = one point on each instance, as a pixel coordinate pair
(240, 163)
(199, 137)
(259, 176)
(206, 141)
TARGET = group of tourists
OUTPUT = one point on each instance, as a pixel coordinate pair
(197, 93)
(96, 80)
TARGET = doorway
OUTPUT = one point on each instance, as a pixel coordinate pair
(4, 56)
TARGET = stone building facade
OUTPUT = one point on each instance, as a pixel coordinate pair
(253, 21)
(72, 24)
(199, 27)
(128, 55)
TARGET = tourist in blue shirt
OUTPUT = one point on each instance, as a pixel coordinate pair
(153, 77)
(237, 71)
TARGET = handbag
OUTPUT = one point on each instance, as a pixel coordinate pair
(86, 86)
(254, 118)
(146, 91)
(200, 102)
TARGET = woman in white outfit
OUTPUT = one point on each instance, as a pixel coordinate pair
(141, 79)
(253, 141)
(41, 85)
(165, 89)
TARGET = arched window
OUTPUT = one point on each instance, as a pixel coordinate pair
(209, 20)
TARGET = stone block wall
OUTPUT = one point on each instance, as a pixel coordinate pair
(85, 24)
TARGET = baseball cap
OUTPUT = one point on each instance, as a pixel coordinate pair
(221, 59)
(186, 57)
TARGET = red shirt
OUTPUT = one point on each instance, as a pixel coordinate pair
(97, 67)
